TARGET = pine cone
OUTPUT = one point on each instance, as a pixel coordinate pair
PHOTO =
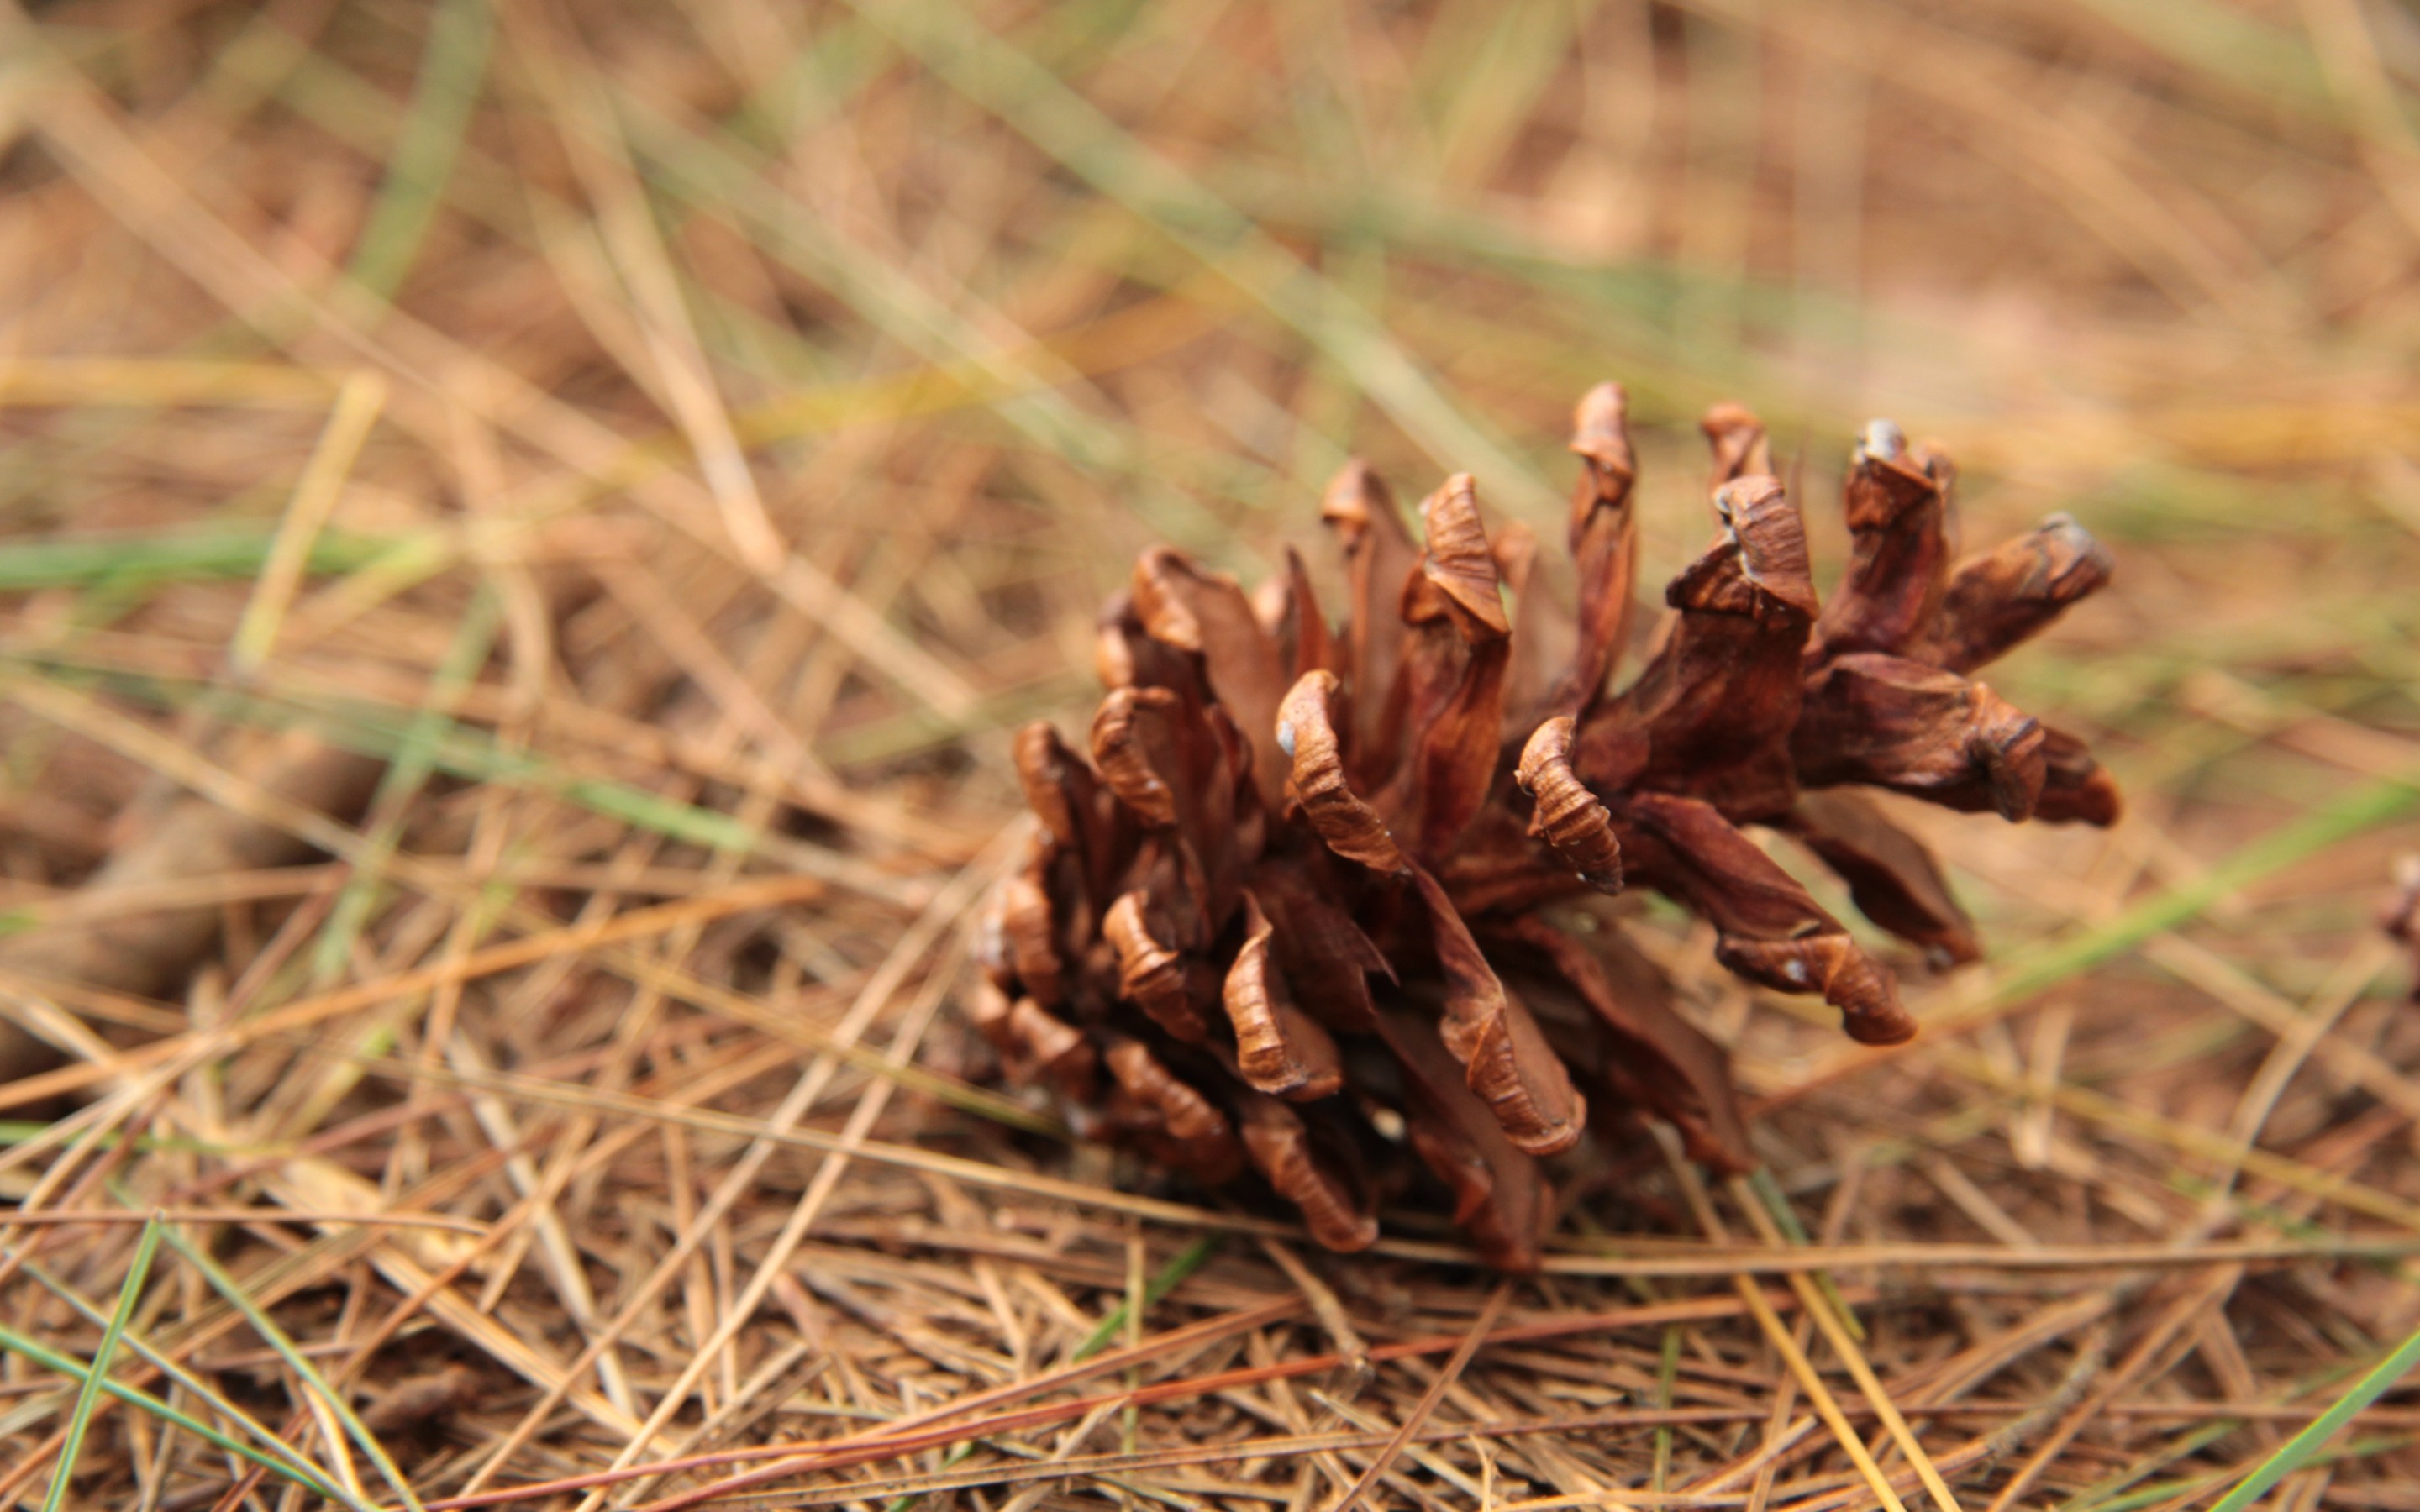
(1289, 916)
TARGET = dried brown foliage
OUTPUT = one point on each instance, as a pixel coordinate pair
(633, 1093)
(2402, 919)
(1322, 893)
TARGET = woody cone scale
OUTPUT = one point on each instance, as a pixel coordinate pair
(1291, 910)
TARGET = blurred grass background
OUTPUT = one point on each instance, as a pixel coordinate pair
(668, 445)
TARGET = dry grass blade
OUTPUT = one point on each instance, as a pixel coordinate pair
(526, 535)
(1359, 1491)
(287, 1465)
(1834, 1328)
(138, 1271)
(358, 402)
(962, 50)
(228, 1287)
(1785, 1345)
(301, 1016)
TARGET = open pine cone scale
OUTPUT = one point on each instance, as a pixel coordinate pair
(1289, 915)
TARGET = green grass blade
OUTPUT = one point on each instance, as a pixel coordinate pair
(718, 173)
(42, 1355)
(130, 1292)
(995, 74)
(458, 750)
(956, 1457)
(153, 1357)
(2291, 1455)
(414, 758)
(459, 35)
(266, 1326)
(1187, 1260)
(219, 551)
(473, 754)
(2364, 809)
(2274, 63)
(2118, 1489)
(17, 1131)
(1777, 1202)
(916, 728)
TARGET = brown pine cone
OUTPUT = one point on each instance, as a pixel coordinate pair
(1287, 918)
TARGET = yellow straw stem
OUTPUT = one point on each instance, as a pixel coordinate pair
(1818, 1307)
(358, 402)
